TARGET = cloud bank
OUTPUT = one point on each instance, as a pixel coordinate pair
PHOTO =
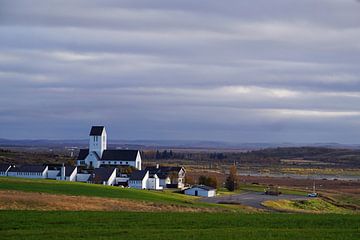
(240, 71)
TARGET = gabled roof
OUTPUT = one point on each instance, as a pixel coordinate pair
(207, 188)
(83, 154)
(163, 171)
(138, 175)
(4, 167)
(96, 130)
(102, 174)
(124, 155)
(28, 168)
(68, 171)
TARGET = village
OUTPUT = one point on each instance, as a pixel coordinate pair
(112, 167)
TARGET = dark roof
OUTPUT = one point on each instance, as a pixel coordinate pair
(138, 175)
(83, 154)
(68, 171)
(207, 188)
(102, 174)
(163, 171)
(4, 167)
(28, 168)
(96, 130)
(123, 155)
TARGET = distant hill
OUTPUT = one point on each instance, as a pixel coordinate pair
(150, 144)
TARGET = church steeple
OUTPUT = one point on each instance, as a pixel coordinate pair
(98, 140)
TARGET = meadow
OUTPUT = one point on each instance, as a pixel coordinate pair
(126, 225)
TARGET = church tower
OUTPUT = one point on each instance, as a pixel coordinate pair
(98, 140)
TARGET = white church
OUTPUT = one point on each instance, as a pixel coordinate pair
(98, 155)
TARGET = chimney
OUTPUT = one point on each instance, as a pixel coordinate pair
(62, 171)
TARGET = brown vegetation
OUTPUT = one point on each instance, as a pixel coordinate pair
(18, 200)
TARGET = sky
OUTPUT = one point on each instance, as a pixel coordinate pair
(236, 71)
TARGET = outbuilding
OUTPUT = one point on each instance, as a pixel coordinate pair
(201, 190)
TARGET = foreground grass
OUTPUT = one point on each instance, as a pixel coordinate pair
(305, 206)
(125, 225)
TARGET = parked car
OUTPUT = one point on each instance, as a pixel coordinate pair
(312, 195)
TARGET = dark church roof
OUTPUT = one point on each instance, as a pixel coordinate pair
(138, 175)
(96, 130)
(124, 155)
(111, 155)
(83, 154)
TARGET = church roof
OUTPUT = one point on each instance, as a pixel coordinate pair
(124, 155)
(83, 154)
(96, 130)
(111, 155)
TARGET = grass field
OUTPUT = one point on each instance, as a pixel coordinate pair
(124, 225)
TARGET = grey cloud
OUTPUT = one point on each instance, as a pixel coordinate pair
(241, 71)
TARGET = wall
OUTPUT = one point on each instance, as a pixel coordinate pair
(201, 192)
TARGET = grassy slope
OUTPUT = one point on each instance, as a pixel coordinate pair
(305, 206)
(123, 225)
(84, 189)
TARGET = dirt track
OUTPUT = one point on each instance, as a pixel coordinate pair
(252, 199)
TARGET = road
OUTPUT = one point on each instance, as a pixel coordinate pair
(252, 199)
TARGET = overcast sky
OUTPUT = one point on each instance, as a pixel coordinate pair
(238, 71)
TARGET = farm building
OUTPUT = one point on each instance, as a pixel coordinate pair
(142, 179)
(98, 155)
(201, 190)
(28, 171)
(169, 176)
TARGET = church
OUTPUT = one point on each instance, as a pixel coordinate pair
(99, 156)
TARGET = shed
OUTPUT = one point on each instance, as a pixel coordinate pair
(201, 190)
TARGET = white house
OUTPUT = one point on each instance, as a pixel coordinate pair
(28, 171)
(4, 168)
(142, 179)
(67, 173)
(98, 155)
(169, 177)
(201, 190)
(138, 179)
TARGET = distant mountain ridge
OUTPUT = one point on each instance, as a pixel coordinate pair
(144, 144)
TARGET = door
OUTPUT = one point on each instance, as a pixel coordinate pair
(196, 192)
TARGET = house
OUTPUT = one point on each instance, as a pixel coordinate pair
(170, 177)
(55, 172)
(67, 173)
(103, 175)
(142, 179)
(201, 190)
(4, 168)
(138, 179)
(98, 155)
(28, 171)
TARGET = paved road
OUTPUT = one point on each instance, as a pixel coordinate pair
(252, 199)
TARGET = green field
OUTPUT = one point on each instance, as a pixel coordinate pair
(124, 225)
(85, 189)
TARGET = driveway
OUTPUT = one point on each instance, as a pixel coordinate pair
(252, 199)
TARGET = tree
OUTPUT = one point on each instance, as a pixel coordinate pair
(208, 181)
(231, 181)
